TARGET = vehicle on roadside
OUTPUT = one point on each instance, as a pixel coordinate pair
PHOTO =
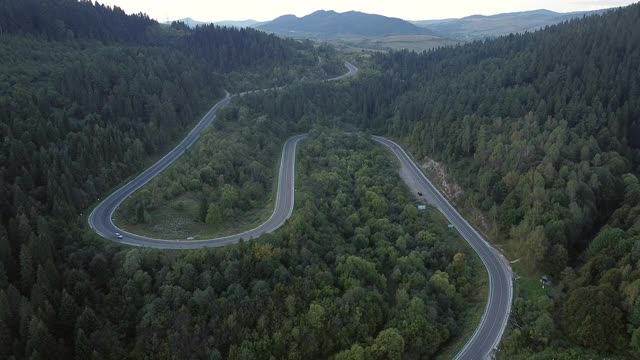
(419, 193)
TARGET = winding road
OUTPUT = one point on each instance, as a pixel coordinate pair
(352, 72)
(101, 222)
(487, 335)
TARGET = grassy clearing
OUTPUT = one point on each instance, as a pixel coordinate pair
(177, 219)
(174, 222)
(150, 160)
(409, 42)
(530, 288)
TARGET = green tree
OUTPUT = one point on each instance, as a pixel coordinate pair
(214, 215)
(316, 316)
(388, 345)
(593, 319)
(356, 352)
(82, 346)
(27, 272)
(68, 313)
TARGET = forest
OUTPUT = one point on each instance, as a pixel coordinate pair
(88, 96)
(373, 226)
(358, 271)
(541, 132)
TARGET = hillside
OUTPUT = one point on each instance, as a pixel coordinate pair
(479, 27)
(416, 43)
(239, 23)
(540, 133)
(189, 22)
(88, 96)
(331, 24)
(230, 23)
(543, 143)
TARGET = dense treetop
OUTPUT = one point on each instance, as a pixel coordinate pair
(222, 48)
(66, 19)
(357, 270)
(88, 96)
(540, 130)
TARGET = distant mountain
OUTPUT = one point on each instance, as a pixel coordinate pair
(229, 23)
(479, 27)
(240, 23)
(332, 24)
(190, 22)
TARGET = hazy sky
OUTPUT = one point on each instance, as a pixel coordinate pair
(217, 10)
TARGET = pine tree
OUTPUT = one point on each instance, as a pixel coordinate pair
(6, 256)
(82, 346)
(5, 339)
(214, 215)
(39, 339)
(87, 321)
(4, 280)
(27, 273)
(67, 314)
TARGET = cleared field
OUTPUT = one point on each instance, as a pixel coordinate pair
(409, 42)
(178, 220)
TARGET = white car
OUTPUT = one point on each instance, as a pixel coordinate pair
(119, 236)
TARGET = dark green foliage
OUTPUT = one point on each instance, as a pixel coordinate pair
(96, 106)
(82, 346)
(593, 317)
(68, 19)
(88, 95)
(540, 135)
(540, 130)
(272, 60)
(308, 290)
(359, 247)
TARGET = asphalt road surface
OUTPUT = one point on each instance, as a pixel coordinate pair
(101, 218)
(487, 335)
(352, 72)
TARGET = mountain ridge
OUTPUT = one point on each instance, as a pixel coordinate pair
(192, 23)
(475, 27)
(354, 23)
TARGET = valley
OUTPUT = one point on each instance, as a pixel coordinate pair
(272, 189)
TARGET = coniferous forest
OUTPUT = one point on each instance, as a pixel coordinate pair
(541, 131)
(88, 95)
